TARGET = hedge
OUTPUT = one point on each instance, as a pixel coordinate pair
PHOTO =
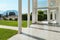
(41, 17)
(24, 17)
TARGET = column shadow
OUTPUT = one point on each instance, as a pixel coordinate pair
(50, 24)
(37, 38)
(54, 25)
(46, 29)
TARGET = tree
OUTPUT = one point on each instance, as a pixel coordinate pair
(41, 15)
(12, 13)
(40, 12)
(0, 15)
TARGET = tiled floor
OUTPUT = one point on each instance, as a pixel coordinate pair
(38, 32)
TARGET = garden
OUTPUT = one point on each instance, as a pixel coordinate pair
(7, 33)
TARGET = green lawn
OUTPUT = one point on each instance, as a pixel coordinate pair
(13, 23)
(6, 33)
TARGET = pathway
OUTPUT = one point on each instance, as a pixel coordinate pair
(9, 27)
(38, 32)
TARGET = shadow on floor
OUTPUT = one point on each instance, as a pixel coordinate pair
(54, 25)
(37, 38)
(50, 24)
(46, 29)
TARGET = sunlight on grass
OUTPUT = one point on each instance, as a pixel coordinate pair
(13, 23)
(6, 33)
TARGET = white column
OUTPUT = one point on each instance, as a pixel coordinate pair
(19, 16)
(28, 22)
(48, 11)
(34, 11)
(57, 13)
(53, 15)
(58, 16)
(48, 15)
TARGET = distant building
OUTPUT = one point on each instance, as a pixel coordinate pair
(12, 17)
(1, 17)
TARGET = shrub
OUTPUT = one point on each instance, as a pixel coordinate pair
(45, 16)
(4, 18)
(24, 17)
(16, 19)
(30, 17)
(40, 12)
(10, 19)
(51, 16)
(40, 17)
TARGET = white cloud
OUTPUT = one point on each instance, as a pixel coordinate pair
(7, 7)
(3, 6)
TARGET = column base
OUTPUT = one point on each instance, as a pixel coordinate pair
(54, 24)
(34, 23)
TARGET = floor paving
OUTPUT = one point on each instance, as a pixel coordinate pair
(9, 27)
(38, 32)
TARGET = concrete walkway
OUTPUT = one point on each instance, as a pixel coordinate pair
(46, 22)
(9, 27)
(38, 32)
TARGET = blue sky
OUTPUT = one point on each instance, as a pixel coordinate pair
(13, 5)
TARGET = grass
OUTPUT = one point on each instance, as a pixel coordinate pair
(6, 33)
(13, 23)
